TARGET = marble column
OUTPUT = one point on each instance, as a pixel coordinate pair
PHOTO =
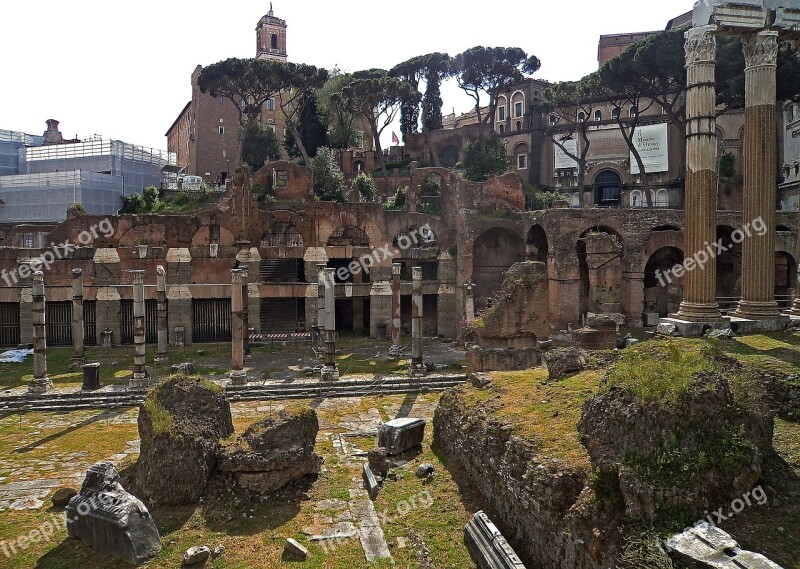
(417, 365)
(321, 276)
(759, 199)
(329, 371)
(139, 353)
(469, 302)
(238, 375)
(78, 348)
(395, 350)
(246, 312)
(40, 382)
(700, 284)
(162, 353)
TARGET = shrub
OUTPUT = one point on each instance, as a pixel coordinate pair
(328, 177)
(367, 189)
(484, 158)
(727, 165)
(398, 201)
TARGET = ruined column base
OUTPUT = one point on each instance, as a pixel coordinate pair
(40, 385)
(757, 310)
(692, 329)
(329, 373)
(140, 380)
(238, 377)
(796, 307)
(395, 351)
(696, 312)
(417, 370)
(161, 358)
(76, 362)
(755, 326)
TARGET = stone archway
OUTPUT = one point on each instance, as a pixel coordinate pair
(663, 291)
(494, 251)
(537, 247)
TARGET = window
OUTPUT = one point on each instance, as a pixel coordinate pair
(271, 127)
(664, 109)
(221, 100)
(359, 139)
(633, 111)
(581, 117)
(271, 104)
(518, 126)
(636, 198)
(502, 128)
(522, 161)
(615, 113)
(518, 109)
(501, 113)
(27, 240)
(598, 115)
(222, 130)
(553, 120)
(274, 42)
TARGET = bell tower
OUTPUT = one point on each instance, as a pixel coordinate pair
(271, 37)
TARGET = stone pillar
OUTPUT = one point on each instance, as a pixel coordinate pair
(40, 382)
(417, 368)
(796, 303)
(162, 353)
(139, 355)
(700, 284)
(469, 303)
(78, 349)
(321, 276)
(246, 312)
(329, 370)
(396, 350)
(760, 148)
(238, 375)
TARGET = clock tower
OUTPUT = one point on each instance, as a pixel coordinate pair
(271, 37)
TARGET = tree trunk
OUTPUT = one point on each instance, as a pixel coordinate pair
(299, 142)
(642, 173)
(379, 152)
(582, 169)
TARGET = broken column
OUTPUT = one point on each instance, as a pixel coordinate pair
(162, 354)
(469, 302)
(329, 371)
(760, 148)
(395, 350)
(238, 375)
(700, 284)
(246, 312)
(40, 382)
(139, 355)
(320, 305)
(78, 349)
(417, 368)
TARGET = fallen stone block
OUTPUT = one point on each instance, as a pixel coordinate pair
(487, 546)
(185, 368)
(293, 547)
(561, 362)
(62, 496)
(108, 519)
(196, 554)
(378, 462)
(666, 329)
(371, 483)
(708, 546)
(399, 435)
(425, 470)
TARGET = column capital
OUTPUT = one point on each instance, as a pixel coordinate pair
(138, 277)
(77, 273)
(397, 268)
(701, 45)
(236, 276)
(416, 273)
(760, 49)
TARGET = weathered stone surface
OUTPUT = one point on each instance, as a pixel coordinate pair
(487, 546)
(501, 359)
(185, 367)
(424, 470)
(274, 452)
(196, 554)
(181, 425)
(544, 507)
(108, 519)
(703, 450)
(666, 329)
(563, 361)
(62, 496)
(293, 547)
(518, 315)
(708, 546)
(400, 435)
(589, 338)
(377, 461)
(370, 483)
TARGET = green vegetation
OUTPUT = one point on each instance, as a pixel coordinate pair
(727, 165)
(484, 158)
(366, 187)
(328, 177)
(260, 146)
(401, 167)
(642, 549)
(398, 201)
(537, 199)
(160, 417)
(152, 200)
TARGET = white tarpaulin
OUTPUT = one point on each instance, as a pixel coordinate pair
(562, 160)
(651, 144)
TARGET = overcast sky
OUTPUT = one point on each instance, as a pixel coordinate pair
(122, 69)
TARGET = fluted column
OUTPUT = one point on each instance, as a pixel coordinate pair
(759, 200)
(700, 284)
(329, 371)
(246, 312)
(321, 276)
(238, 374)
(469, 302)
(396, 316)
(417, 364)
(78, 344)
(139, 338)
(40, 382)
(162, 353)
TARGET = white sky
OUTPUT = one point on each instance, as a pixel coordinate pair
(122, 69)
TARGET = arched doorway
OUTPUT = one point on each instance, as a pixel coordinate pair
(729, 268)
(599, 251)
(663, 291)
(492, 254)
(607, 189)
(537, 247)
(785, 278)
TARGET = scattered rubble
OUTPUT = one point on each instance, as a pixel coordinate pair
(196, 554)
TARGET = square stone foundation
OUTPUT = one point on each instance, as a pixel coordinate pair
(740, 325)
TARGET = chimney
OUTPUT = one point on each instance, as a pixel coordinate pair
(52, 135)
